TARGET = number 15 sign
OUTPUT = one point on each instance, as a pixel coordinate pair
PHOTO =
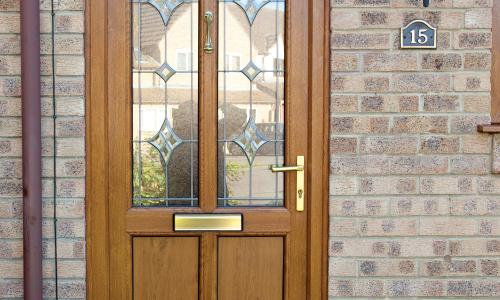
(418, 34)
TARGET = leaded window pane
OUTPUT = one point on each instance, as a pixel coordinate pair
(251, 102)
(165, 102)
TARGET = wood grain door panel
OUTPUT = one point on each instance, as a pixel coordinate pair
(141, 221)
(166, 268)
(250, 268)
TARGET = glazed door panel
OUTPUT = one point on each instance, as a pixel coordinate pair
(204, 97)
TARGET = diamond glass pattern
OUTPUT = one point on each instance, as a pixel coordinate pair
(165, 111)
(166, 7)
(251, 71)
(250, 140)
(165, 71)
(251, 115)
(251, 7)
(165, 141)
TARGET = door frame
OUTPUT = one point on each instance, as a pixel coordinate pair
(97, 148)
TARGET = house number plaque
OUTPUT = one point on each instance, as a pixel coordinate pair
(418, 35)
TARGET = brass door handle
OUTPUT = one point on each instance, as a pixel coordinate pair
(287, 168)
(209, 18)
(299, 168)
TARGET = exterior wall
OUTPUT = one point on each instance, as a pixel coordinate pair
(414, 207)
(69, 150)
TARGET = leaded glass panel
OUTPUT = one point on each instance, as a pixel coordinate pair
(165, 102)
(251, 102)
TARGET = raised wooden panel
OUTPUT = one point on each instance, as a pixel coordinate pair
(166, 268)
(250, 268)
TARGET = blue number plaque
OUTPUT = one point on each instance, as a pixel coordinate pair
(418, 35)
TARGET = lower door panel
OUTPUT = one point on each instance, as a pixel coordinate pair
(166, 268)
(250, 268)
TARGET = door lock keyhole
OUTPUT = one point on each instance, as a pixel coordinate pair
(300, 193)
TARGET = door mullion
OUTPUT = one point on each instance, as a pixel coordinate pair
(208, 149)
(208, 111)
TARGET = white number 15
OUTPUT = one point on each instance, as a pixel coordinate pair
(422, 37)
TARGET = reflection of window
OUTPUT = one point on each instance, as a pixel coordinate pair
(278, 66)
(232, 62)
(184, 61)
(152, 119)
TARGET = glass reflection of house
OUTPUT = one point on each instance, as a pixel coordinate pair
(267, 55)
(165, 78)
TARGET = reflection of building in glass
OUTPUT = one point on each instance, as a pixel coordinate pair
(180, 57)
(251, 86)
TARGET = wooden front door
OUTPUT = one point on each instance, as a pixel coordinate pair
(211, 150)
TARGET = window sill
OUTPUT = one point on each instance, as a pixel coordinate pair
(489, 128)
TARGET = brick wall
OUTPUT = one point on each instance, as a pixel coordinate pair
(69, 144)
(414, 207)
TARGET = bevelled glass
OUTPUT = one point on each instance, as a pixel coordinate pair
(251, 102)
(165, 102)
